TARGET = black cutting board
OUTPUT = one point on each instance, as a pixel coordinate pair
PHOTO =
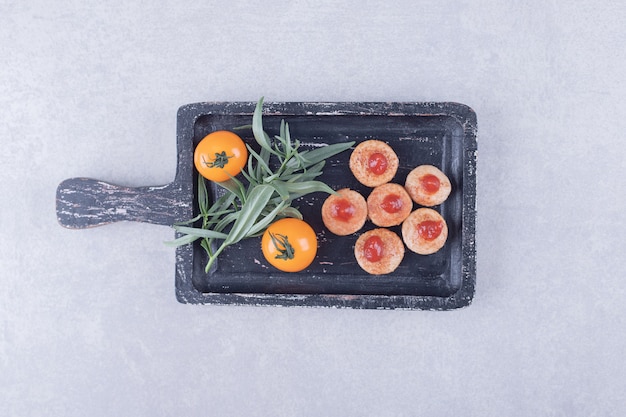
(440, 134)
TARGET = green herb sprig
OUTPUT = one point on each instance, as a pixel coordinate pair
(246, 210)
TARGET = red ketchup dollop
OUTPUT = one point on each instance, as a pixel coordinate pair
(343, 210)
(430, 183)
(392, 203)
(373, 249)
(430, 229)
(377, 163)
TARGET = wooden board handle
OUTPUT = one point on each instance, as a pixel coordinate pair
(85, 202)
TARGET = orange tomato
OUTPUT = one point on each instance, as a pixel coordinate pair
(220, 154)
(289, 244)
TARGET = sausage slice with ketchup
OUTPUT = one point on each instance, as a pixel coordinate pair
(373, 163)
(428, 185)
(345, 212)
(425, 231)
(379, 251)
(388, 205)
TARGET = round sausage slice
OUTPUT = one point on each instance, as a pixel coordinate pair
(344, 213)
(388, 205)
(373, 163)
(427, 185)
(379, 251)
(425, 231)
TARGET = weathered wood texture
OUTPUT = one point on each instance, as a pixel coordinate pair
(84, 202)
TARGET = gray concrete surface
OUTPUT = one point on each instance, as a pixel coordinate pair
(89, 325)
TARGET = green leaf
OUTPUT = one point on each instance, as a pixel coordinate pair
(262, 163)
(267, 220)
(291, 212)
(251, 180)
(265, 158)
(286, 138)
(281, 189)
(320, 154)
(190, 221)
(307, 175)
(297, 162)
(222, 205)
(271, 178)
(251, 168)
(183, 240)
(257, 199)
(225, 221)
(203, 199)
(197, 232)
(281, 130)
(299, 189)
(234, 186)
(257, 128)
